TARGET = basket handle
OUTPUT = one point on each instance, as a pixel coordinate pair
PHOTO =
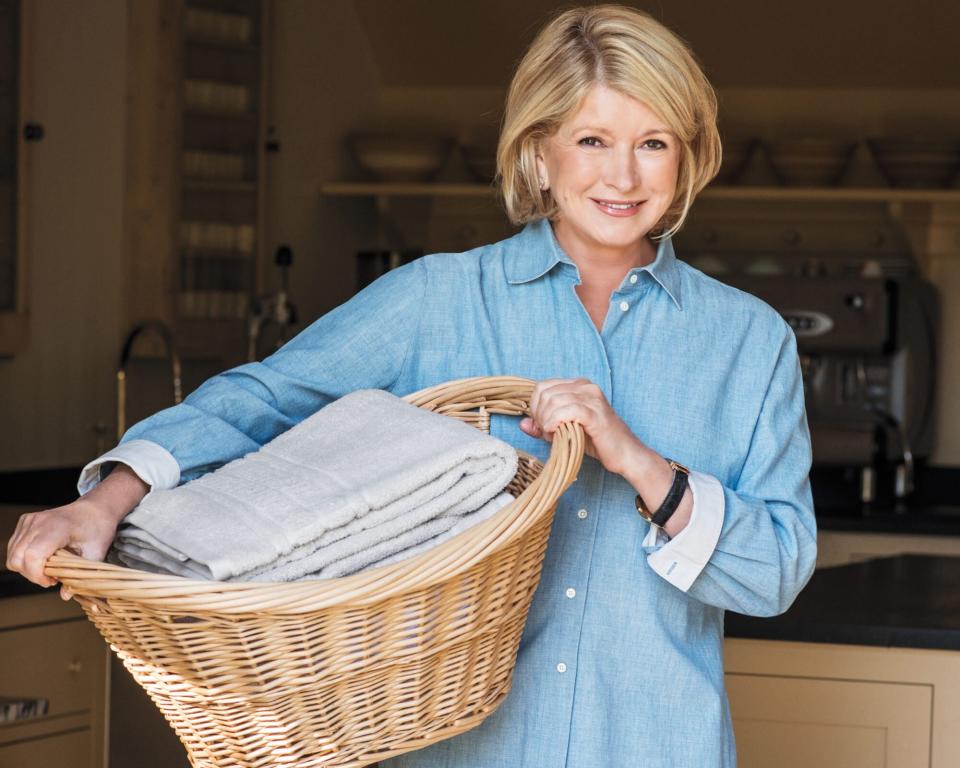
(508, 395)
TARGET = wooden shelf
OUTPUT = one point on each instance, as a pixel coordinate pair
(222, 114)
(215, 185)
(223, 45)
(403, 189)
(825, 194)
(834, 194)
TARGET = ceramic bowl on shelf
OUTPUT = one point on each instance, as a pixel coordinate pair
(389, 157)
(917, 162)
(810, 161)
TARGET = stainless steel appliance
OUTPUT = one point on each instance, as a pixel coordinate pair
(868, 354)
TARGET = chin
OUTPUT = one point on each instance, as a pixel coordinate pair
(624, 237)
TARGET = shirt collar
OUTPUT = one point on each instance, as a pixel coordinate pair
(538, 252)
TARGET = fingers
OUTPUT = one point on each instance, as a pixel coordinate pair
(543, 390)
(81, 527)
(529, 426)
(30, 547)
(556, 400)
(12, 544)
(35, 558)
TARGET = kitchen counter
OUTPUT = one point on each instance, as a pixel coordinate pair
(908, 601)
(14, 585)
(930, 520)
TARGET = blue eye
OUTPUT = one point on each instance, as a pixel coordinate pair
(589, 141)
(654, 144)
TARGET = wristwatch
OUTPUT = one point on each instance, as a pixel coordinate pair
(659, 518)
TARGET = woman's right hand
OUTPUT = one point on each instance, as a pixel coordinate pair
(86, 526)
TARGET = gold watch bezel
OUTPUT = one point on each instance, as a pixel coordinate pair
(642, 509)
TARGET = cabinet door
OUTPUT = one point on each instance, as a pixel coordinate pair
(64, 750)
(794, 722)
(63, 663)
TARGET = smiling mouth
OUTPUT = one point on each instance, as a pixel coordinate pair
(615, 205)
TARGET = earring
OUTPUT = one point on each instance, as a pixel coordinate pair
(543, 184)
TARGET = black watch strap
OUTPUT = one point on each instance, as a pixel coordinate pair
(677, 488)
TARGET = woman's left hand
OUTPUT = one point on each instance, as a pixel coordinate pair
(609, 439)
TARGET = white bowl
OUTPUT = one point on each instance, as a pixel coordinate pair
(917, 162)
(400, 158)
(810, 162)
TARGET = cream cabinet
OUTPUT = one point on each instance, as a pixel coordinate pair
(48, 650)
(842, 547)
(797, 705)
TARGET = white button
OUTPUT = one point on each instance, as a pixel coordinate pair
(571, 592)
(582, 514)
(624, 306)
(633, 278)
(561, 667)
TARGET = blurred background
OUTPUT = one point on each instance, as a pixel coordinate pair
(184, 184)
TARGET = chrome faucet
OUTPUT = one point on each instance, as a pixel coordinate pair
(904, 473)
(275, 308)
(162, 330)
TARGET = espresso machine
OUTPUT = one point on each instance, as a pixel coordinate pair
(867, 347)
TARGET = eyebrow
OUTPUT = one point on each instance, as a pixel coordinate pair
(601, 129)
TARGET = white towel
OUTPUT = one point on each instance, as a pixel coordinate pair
(367, 480)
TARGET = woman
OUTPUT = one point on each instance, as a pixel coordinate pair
(609, 133)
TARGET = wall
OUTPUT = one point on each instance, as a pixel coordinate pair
(55, 392)
(324, 86)
(326, 82)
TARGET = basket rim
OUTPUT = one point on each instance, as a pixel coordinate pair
(497, 394)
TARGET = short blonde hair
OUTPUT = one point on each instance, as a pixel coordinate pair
(628, 51)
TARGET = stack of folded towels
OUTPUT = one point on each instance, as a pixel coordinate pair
(365, 481)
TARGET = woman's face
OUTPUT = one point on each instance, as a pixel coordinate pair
(612, 169)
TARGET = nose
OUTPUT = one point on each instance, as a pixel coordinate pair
(623, 170)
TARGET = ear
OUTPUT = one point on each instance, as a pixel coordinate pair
(543, 178)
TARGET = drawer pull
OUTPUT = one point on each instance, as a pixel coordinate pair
(75, 666)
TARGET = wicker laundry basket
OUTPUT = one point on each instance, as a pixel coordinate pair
(342, 672)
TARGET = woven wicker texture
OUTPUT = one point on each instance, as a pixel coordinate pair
(342, 672)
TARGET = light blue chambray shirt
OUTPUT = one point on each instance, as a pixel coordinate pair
(621, 662)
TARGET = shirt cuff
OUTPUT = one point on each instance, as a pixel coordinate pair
(152, 463)
(681, 559)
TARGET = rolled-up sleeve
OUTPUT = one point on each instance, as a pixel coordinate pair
(751, 545)
(767, 548)
(681, 559)
(150, 462)
(361, 344)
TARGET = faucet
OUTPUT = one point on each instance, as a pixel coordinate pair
(157, 328)
(275, 308)
(904, 473)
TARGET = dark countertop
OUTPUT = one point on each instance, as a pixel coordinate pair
(15, 585)
(908, 601)
(929, 520)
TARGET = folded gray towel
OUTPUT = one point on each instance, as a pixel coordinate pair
(367, 480)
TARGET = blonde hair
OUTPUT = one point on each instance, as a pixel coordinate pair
(628, 51)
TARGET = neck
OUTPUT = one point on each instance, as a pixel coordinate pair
(599, 265)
